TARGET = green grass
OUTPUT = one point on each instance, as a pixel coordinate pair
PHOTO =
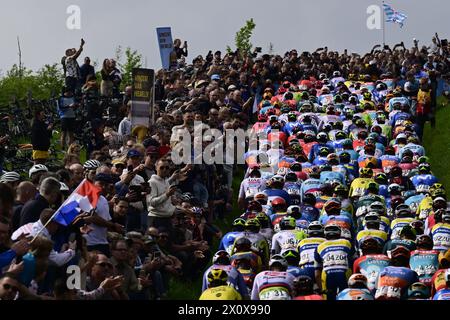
(437, 144)
(187, 290)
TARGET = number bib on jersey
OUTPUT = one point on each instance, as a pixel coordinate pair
(336, 258)
(389, 292)
(274, 293)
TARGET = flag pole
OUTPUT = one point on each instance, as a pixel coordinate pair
(384, 27)
(50, 220)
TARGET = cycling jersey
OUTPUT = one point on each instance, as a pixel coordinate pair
(425, 208)
(294, 190)
(309, 297)
(393, 283)
(285, 240)
(272, 285)
(334, 258)
(235, 278)
(416, 149)
(295, 271)
(397, 226)
(359, 186)
(330, 176)
(379, 235)
(438, 281)
(309, 213)
(355, 294)
(414, 201)
(371, 265)
(388, 162)
(306, 248)
(274, 193)
(221, 293)
(425, 263)
(443, 294)
(392, 244)
(342, 220)
(251, 186)
(259, 244)
(423, 182)
(441, 236)
(311, 185)
(227, 241)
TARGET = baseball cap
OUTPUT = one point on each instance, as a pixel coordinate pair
(232, 87)
(401, 136)
(200, 83)
(215, 77)
(104, 177)
(118, 161)
(133, 153)
(151, 150)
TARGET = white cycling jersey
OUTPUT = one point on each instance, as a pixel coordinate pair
(272, 285)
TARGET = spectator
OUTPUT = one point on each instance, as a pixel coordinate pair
(26, 191)
(120, 261)
(71, 68)
(66, 106)
(41, 134)
(49, 193)
(86, 70)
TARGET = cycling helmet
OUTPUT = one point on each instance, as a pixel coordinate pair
(424, 168)
(217, 277)
(394, 188)
(278, 260)
(402, 211)
(296, 167)
(254, 206)
(294, 211)
(310, 199)
(252, 225)
(341, 190)
(372, 218)
(446, 217)
(377, 207)
(344, 157)
(91, 164)
(332, 206)
(277, 182)
(239, 223)
(400, 251)
(381, 86)
(64, 187)
(381, 178)
(332, 231)
(287, 223)
(423, 159)
(263, 220)
(261, 197)
(221, 257)
(37, 168)
(243, 244)
(369, 244)
(278, 204)
(292, 257)
(324, 151)
(424, 241)
(340, 135)
(10, 177)
(365, 172)
(291, 177)
(418, 290)
(303, 284)
(322, 137)
(336, 74)
(357, 281)
(315, 229)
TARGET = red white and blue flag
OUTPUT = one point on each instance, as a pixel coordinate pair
(84, 198)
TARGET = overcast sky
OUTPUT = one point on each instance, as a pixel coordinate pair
(205, 24)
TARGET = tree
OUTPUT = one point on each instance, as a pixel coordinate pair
(242, 38)
(133, 59)
(19, 81)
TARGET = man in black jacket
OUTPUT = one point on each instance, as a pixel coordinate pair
(41, 134)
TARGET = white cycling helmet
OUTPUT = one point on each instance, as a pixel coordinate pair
(37, 168)
(91, 164)
(63, 187)
(9, 177)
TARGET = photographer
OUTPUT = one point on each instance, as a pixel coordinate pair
(41, 134)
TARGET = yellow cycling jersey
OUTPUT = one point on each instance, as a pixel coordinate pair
(425, 208)
(221, 293)
(359, 186)
(379, 235)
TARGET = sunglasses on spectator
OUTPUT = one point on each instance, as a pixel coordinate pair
(7, 286)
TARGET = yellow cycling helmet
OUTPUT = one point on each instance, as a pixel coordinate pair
(217, 276)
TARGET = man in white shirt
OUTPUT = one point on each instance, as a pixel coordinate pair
(100, 220)
(125, 126)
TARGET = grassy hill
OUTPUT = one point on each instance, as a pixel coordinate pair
(437, 144)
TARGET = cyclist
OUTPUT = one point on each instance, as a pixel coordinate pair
(218, 288)
(274, 284)
(424, 260)
(394, 280)
(357, 289)
(227, 241)
(332, 261)
(221, 260)
(288, 237)
(304, 289)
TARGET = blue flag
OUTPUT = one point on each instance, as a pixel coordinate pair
(394, 16)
